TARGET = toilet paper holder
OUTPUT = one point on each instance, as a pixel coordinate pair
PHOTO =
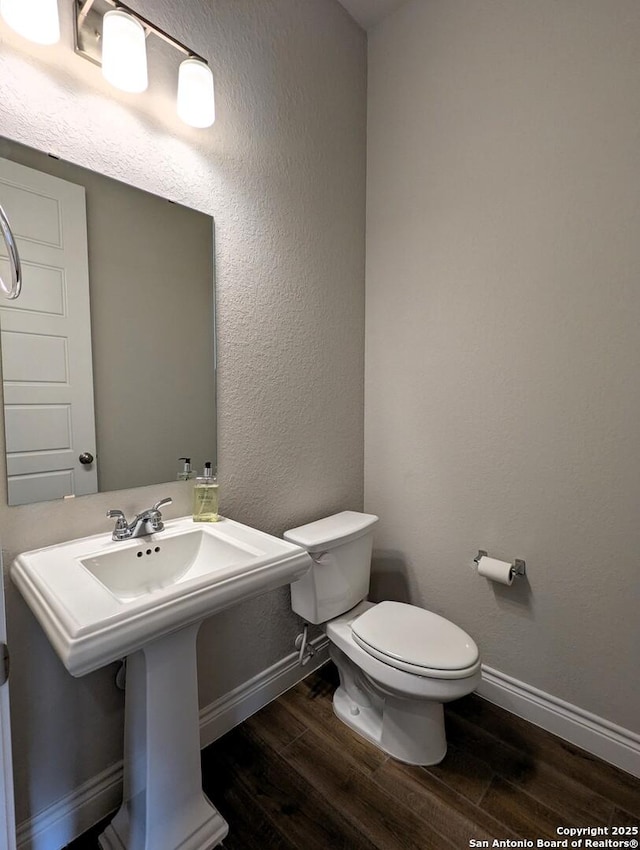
(518, 568)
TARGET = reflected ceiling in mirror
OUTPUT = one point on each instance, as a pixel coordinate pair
(108, 356)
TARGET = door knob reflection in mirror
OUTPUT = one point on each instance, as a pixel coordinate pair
(86, 458)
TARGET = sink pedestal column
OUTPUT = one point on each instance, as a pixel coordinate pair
(164, 807)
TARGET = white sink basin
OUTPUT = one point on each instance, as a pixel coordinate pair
(151, 563)
(100, 600)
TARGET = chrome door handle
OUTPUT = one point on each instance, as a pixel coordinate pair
(86, 458)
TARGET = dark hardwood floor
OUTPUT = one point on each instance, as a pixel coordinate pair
(294, 777)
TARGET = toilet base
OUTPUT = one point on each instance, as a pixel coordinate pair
(410, 730)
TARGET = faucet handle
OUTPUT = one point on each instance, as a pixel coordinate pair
(119, 532)
(154, 517)
(162, 502)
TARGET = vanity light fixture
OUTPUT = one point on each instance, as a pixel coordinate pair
(124, 52)
(36, 20)
(196, 104)
(112, 35)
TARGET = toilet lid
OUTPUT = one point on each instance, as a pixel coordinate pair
(410, 637)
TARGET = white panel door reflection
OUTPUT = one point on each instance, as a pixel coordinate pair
(46, 340)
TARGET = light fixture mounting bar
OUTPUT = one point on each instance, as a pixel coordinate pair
(88, 29)
(85, 9)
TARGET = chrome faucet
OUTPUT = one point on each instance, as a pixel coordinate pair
(147, 522)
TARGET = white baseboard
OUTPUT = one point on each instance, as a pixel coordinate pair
(222, 715)
(597, 736)
(69, 817)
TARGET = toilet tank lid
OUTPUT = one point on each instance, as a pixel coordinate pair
(331, 531)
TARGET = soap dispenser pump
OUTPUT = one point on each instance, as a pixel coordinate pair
(186, 473)
(205, 496)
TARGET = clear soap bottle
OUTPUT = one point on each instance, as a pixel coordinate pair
(205, 496)
(186, 473)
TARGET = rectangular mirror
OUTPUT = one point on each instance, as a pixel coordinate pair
(108, 355)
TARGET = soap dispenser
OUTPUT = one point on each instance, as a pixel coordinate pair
(186, 473)
(205, 496)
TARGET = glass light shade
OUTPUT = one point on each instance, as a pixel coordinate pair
(36, 20)
(124, 52)
(196, 102)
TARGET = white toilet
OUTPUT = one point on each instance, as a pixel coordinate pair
(398, 663)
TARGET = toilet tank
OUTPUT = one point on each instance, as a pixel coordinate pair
(340, 548)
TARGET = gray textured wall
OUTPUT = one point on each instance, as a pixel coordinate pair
(283, 173)
(503, 349)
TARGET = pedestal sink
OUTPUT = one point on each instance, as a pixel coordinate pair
(144, 599)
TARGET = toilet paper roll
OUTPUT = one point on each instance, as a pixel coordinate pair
(494, 570)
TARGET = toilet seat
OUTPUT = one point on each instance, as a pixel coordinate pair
(415, 640)
(406, 684)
